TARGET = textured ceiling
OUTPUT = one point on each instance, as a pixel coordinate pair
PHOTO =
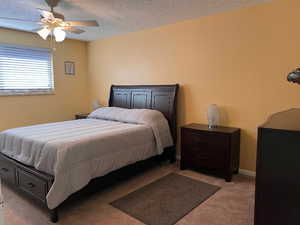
(118, 16)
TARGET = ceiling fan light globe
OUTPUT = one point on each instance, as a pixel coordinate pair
(44, 33)
(59, 34)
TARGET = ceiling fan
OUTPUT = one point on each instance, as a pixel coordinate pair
(54, 23)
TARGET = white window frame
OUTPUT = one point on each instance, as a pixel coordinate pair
(49, 91)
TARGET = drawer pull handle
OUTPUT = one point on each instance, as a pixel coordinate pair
(4, 170)
(31, 185)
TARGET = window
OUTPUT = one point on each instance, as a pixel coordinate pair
(25, 70)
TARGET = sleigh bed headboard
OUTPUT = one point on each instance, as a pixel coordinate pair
(162, 98)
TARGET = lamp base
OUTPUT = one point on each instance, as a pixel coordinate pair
(212, 126)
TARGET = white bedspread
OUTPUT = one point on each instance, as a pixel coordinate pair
(151, 118)
(77, 151)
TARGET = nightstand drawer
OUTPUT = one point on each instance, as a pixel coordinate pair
(205, 143)
(209, 136)
(207, 161)
(208, 150)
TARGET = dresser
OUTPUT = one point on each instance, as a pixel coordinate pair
(277, 196)
(216, 150)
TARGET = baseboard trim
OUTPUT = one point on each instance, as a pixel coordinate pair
(241, 171)
(247, 172)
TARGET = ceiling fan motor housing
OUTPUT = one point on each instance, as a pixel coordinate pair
(52, 3)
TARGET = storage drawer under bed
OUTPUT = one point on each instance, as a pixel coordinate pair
(7, 171)
(32, 184)
(27, 179)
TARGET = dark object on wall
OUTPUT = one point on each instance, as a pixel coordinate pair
(294, 76)
(36, 184)
(214, 149)
(81, 116)
(277, 194)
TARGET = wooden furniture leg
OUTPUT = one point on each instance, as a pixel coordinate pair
(53, 213)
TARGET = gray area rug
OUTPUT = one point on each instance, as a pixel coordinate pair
(166, 200)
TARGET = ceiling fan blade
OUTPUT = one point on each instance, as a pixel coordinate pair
(40, 9)
(58, 15)
(83, 23)
(16, 19)
(73, 30)
(46, 14)
(37, 29)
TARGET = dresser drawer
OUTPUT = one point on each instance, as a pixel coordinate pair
(33, 185)
(7, 171)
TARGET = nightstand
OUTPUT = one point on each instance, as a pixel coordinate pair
(216, 149)
(81, 116)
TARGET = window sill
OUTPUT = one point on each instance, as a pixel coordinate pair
(26, 93)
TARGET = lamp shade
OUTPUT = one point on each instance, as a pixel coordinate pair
(213, 115)
(44, 33)
(59, 34)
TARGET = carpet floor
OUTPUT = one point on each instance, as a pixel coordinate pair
(233, 204)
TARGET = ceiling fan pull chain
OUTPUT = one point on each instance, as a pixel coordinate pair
(52, 43)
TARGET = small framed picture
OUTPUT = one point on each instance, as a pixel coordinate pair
(69, 68)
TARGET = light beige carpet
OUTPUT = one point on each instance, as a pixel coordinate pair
(232, 205)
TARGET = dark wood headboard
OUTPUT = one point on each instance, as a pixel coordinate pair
(162, 98)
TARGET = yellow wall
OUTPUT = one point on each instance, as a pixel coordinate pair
(238, 60)
(71, 92)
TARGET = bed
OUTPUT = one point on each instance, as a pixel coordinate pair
(39, 179)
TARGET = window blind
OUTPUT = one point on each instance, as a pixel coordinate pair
(25, 70)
